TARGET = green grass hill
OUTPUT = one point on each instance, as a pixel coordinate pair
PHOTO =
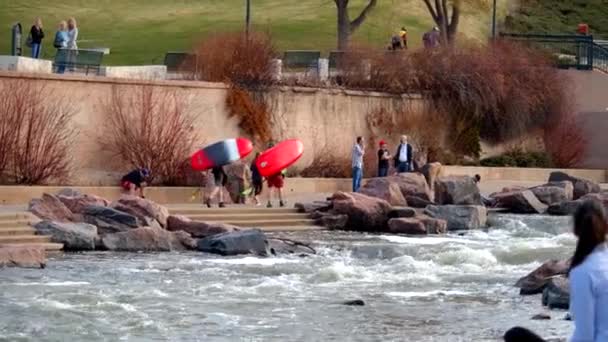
(141, 31)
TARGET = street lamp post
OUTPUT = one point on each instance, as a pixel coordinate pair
(494, 20)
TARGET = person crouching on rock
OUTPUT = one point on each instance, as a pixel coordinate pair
(257, 181)
(135, 181)
(220, 178)
(383, 159)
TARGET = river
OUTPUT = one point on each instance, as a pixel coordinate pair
(449, 288)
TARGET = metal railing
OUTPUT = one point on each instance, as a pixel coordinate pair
(568, 51)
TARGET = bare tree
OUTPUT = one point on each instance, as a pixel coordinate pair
(346, 27)
(446, 15)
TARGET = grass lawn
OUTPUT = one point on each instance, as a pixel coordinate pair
(141, 31)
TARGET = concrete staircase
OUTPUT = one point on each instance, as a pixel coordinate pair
(267, 219)
(16, 231)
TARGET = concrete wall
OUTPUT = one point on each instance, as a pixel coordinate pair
(25, 64)
(319, 117)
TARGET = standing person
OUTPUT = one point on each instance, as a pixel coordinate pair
(135, 181)
(383, 159)
(256, 180)
(36, 34)
(403, 35)
(61, 43)
(404, 156)
(276, 182)
(220, 178)
(357, 163)
(589, 274)
(72, 44)
(435, 37)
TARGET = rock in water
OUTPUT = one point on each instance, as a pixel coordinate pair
(288, 246)
(457, 190)
(520, 202)
(385, 189)
(413, 184)
(49, 207)
(142, 208)
(459, 217)
(553, 193)
(27, 257)
(331, 221)
(310, 208)
(144, 239)
(556, 294)
(417, 202)
(398, 212)
(77, 203)
(564, 208)
(536, 281)
(355, 302)
(411, 226)
(364, 213)
(109, 220)
(251, 241)
(581, 186)
(74, 236)
(196, 228)
(541, 317)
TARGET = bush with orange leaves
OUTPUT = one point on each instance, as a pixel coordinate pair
(36, 133)
(149, 127)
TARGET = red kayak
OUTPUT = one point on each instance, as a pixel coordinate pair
(279, 157)
(221, 153)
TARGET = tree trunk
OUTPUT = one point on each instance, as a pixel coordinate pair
(343, 25)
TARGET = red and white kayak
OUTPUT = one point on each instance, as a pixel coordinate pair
(221, 153)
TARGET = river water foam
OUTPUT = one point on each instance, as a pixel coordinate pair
(449, 288)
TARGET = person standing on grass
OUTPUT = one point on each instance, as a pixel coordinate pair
(383, 159)
(135, 181)
(61, 43)
(256, 180)
(404, 156)
(72, 42)
(403, 36)
(220, 178)
(36, 35)
(357, 163)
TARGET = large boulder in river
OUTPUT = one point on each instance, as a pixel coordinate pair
(50, 207)
(565, 208)
(555, 192)
(27, 257)
(459, 190)
(144, 239)
(109, 220)
(581, 186)
(520, 202)
(364, 213)
(330, 220)
(78, 202)
(250, 241)
(459, 217)
(417, 202)
(535, 281)
(412, 184)
(419, 225)
(73, 236)
(142, 208)
(197, 229)
(385, 189)
(556, 294)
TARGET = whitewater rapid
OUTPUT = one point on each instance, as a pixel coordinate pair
(450, 288)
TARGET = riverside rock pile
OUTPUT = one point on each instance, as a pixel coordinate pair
(131, 224)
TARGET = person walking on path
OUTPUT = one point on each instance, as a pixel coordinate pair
(220, 178)
(256, 180)
(403, 36)
(357, 163)
(404, 156)
(589, 274)
(36, 35)
(135, 181)
(383, 159)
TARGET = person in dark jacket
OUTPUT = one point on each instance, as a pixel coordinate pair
(404, 157)
(220, 178)
(36, 34)
(256, 180)
(135, 181)
(383, 159)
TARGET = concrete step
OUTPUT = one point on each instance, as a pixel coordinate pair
(14, 216)
(14, 223)
(292, 229)
(18, 230)
(231, 210)
(48, 246)
(270, 223)
(247, 216)
(24, 239)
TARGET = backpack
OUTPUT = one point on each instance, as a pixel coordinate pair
(29, 41)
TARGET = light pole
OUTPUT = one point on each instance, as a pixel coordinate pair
(248, 18)
(494, 20)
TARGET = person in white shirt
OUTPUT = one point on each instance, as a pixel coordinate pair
(589, 274)
(357, 163)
